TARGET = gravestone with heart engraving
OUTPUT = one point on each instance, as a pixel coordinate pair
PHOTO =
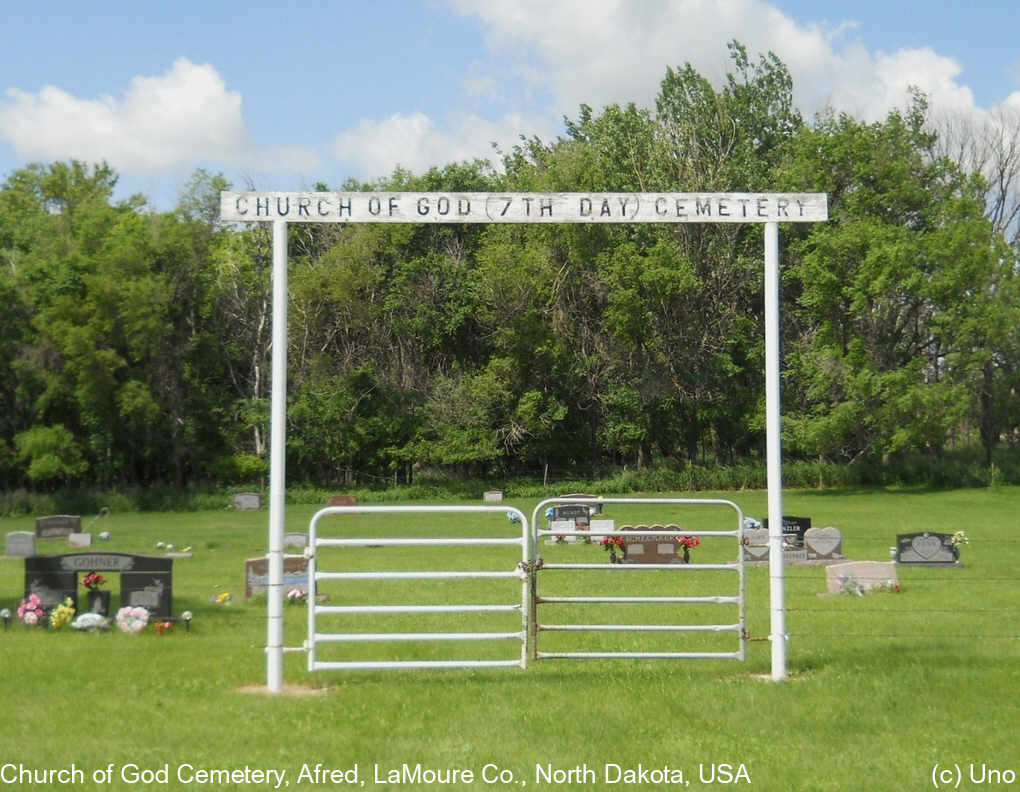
(925, 547)
(823, 543)
(756, 544)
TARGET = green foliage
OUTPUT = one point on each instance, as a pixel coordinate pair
(50, 453)
(498, 351)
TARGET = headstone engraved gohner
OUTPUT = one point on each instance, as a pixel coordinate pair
(146, 581)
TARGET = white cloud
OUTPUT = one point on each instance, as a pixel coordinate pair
(179, 118)
(618, 51)
(417, 142)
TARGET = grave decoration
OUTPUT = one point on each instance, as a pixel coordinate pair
(61, 615)
(928, 548)
(614, 544)
(31, 610)
(686, 544)
(98, 599)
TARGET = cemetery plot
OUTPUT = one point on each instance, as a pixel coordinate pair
(145, 581)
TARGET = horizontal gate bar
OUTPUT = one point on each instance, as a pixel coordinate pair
(639, 627)
(325, 609)
(693, 600)
(352, 665)
(464, 636)
(463, 540)
(631, 532)
(640, 655)
(692, 567)
(411, 575)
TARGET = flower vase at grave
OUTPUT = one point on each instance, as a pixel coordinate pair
(686, 553)
(99, 601)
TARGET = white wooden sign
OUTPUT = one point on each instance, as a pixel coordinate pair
(434, 207)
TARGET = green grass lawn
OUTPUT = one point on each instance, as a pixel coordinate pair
(881, 688)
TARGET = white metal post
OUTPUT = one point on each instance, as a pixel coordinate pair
(277, 462)
(777, 632)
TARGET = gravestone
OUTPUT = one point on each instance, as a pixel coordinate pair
(562, 528)
(80, 539)
(823, 543)
(342, 500)
(756, 544)
(247, 501)
(644, 549)
(593, 508)
(145, 581)
(578, 513)
(601, 525)
(295, 539)
(20, 544)
(925, 547)
(57, 526)
(863, 575)
(794, 529)
(256, 575)
(492, 496)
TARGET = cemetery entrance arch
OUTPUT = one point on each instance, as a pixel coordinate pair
(281, 208)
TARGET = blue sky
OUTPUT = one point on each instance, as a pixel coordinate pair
(281, 95)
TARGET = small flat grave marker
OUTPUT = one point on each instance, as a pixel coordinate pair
(247, 501)
(80, 539)
(926, 548)
(20, 544)
(57, 526)
(867, 574)
(823, 543)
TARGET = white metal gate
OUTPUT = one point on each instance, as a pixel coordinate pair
(736, 598)
(316, 609)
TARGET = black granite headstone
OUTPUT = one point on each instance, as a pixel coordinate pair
(144, 580)
(924, 547)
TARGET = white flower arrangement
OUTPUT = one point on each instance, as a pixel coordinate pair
(132, 620)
